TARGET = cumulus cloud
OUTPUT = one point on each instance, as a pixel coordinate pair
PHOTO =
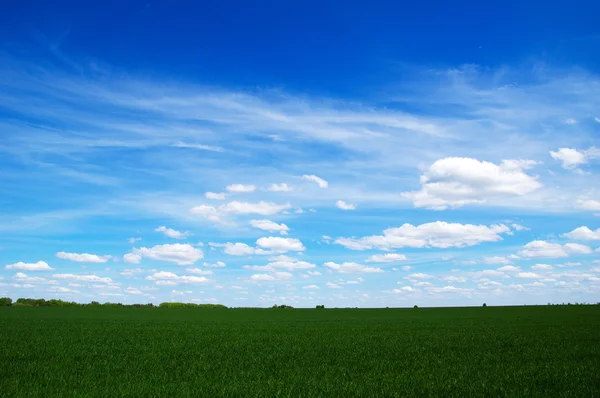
(218, 264)
(280, 245)
(199, 271)
(455, 182)
(496, 260)
(172, 233)
(180, 254)
(283, 187)
(271, 277)
(311, 287)
(240, 188)
(321, 182)
(405, 289)
(83, 257)
(271, 226)
(436, 234)
(583, 233)
(170, 278)
(528, 275)
(340, 204)
(542, 267)
(452, 278)
(263, 208)
(518, 227)
(509, 268)
(241, 249)
(290, 265)
(39, 266)
(209, 212)
(540, 248)
(332, 285)
(132, 258)
(216, 196)
(83, 278)
(571, 158)
(132, 290)
(351, 268)
(419, 276)
(588, 204)
(386, 258)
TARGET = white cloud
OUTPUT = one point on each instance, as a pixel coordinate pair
(59, 289)
(216, 196)
(21, 277)
(568, 265)
(528, 275)
(209, 212)
(419, 276)
(280, 245)
(583, 233)
(83, 278)
(570, 121)
(449, 289)
(345, 206)
(133, 290)
(133, 240)
(571, 158)
(242, 249)
(171, 233)
(459, 279)
(39, 266)
(311, 287)
(218, 264)
(407, 268)
(405, 289)
(351, 268)
(169, 278)
(290, 265)
(588, 204)
(283, 187)
(83, 257)
(263, 208)
(131, 272)
(314, 273)
(271, 277)
(180, 254)
(436, 234)
(200, 271)
(268, 225)
(455, 182)
(240, 188)
(542, 267)
(519, 227)
(488, 273)
(333, 285)
(496, 260)
(321, 182)
(386, 258)
(132, 258)
(509, 268)
(540, 248)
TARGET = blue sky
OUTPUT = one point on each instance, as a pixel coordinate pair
(302, 153)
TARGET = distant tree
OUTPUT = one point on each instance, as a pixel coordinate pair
(321, 306)
(484, 304)
(416, 306)
(5, 302)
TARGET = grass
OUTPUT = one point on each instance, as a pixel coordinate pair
(145, 352)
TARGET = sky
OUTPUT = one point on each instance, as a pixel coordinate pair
(372, 154)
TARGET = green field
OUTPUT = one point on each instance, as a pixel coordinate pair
(494, 351)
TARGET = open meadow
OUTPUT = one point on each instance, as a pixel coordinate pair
(493, 351)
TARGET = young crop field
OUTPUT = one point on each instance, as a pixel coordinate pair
(111, 352)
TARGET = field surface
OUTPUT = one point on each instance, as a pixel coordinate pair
(146, 352)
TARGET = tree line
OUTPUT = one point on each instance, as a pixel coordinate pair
(28, 302)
